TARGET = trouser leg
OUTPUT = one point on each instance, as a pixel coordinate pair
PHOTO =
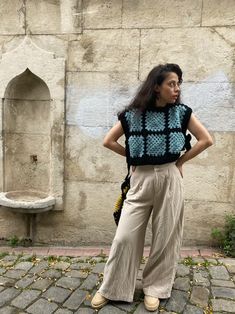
(167, 232)
(121, 268)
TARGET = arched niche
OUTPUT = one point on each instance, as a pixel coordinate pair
(32, 121)
(26, 129)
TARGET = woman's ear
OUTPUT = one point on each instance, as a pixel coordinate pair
(156, 88)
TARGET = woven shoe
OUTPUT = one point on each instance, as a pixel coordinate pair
(98, 301)
(151, 303)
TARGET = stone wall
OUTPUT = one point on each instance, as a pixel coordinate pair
(109, 47)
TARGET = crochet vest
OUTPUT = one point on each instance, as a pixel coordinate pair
(157, 135)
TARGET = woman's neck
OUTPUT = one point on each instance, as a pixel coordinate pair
(160, 103)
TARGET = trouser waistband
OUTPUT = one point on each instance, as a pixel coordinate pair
(165, 165)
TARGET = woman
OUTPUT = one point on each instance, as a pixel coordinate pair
(155, 125)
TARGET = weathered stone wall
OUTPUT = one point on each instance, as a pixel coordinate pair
(109, 47)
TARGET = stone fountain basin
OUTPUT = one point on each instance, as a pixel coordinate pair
(27, 201)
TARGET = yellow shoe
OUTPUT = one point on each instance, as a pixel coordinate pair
(151, 303)
(98, 301)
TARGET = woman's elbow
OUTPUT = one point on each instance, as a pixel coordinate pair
(106, 143)
(208, 142)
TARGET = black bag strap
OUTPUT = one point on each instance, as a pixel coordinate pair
(128, 168)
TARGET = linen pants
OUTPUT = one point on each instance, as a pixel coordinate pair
(156, 189)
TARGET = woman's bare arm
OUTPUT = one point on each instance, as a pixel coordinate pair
(202, 135)
(111, 138)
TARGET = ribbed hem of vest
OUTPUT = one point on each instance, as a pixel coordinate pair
(151, 160)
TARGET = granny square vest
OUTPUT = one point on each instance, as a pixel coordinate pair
(156, 135)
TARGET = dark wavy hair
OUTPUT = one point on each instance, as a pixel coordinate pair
(146, 95)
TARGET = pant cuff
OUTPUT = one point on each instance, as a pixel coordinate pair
(115, 298)
(159, 295)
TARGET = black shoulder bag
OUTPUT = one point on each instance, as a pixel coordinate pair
(125, 186)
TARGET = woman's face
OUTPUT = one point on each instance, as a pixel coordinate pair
(170, 88)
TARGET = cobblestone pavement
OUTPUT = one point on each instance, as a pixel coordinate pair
(62, 284)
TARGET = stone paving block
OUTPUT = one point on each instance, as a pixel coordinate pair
(48, 307)
(211, 260)
(51, 273)
(41, 284)
(109, 308)
(7, 282)
(8, 310)
(7, 295)
(85, 310)
(140, 274)
(25, 298)
(200, 279)
(65, 311)
(25, 257)
(76, 273)
(223, 305)
(80, 259)
(89, 296)
(138, 293)
(182, 270)
(70, 283)
(200, 296)
(65, 259)
(124, 306)
(223, 283)
(97, 259)
(15, 273)
(227, 261)
(231, 268)
(2, 271)
(57, 294)
(61, 265)
(42, 265)
(10, 257)
(203, 272)
(198, 259)
(142, 265)
(90, 282)
(25, 281)
(182, 283)
(23, 266)
(7, 264)
(223, 292)
(81, 266)
(177, 301)
(99, 268)
(75, 299)
(191, 309)
(219, 272)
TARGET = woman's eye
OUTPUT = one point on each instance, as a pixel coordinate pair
(172, 84)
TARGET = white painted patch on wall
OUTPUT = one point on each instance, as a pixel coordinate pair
(212, 101)
(94, 110)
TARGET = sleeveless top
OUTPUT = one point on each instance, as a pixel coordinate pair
(157, 135)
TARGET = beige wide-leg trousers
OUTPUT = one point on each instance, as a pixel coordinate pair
(156, 189)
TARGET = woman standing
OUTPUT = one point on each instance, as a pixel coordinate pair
(155, 125)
